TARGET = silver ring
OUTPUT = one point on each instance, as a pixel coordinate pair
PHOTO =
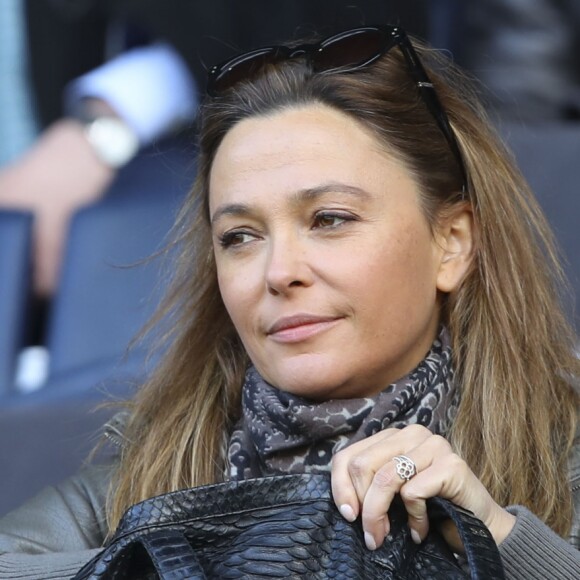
(406, 468)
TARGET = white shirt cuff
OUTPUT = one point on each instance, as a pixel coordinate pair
(150, 88)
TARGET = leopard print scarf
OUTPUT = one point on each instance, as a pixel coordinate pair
(281, 433)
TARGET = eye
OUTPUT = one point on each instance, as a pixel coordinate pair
(235, 238)
(327, 220)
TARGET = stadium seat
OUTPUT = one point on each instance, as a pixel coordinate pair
(15, 271)
(111, 279)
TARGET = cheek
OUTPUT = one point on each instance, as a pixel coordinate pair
(395, 281)
(237, 290)
(229, 291)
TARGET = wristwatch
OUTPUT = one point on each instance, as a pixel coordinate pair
(112, 140)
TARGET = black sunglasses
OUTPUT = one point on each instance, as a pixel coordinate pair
(347, 51)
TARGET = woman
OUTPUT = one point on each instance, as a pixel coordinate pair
(372, 295)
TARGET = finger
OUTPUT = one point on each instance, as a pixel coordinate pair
(385, 485)
(343, 492)
(417, 516)
(363, 459)
(446, 477)
(348, 482)
(425, 484)
(388, 481)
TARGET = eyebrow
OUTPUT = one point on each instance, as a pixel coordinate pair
(302, 195)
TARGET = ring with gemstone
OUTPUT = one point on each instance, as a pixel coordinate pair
(406, 468)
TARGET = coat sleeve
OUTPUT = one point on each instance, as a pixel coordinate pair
(54, 534)
(532, 550)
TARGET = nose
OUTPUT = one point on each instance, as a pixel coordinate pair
(287, 266)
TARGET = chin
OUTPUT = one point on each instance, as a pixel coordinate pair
(313, 392)
(311, 378)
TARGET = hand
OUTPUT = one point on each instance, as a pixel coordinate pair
(56, 177)
(365, 480)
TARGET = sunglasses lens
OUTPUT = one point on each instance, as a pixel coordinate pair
(351, 49)
(226, 75)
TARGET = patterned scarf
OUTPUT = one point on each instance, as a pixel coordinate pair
(281, 433)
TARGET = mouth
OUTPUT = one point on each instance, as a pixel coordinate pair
(300, 327)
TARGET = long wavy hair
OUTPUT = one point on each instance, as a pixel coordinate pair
(513, 346)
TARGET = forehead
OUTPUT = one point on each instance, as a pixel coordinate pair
(297, 149)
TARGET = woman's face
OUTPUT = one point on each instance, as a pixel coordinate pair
(326, 263)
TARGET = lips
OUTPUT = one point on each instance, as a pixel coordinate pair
(300, 327)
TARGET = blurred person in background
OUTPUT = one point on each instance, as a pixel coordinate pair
(55, 166)
(527, 54)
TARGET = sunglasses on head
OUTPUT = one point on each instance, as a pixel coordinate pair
(347, 51)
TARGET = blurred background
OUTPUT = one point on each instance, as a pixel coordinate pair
(97, 109)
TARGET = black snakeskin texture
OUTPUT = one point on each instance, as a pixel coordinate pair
(281, 527)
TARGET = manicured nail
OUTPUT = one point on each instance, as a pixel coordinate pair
(347, 512)
(415, 536)
(370, 541)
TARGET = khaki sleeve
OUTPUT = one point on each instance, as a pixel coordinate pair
(54, 534)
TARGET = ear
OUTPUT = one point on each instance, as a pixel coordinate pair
(455, 238)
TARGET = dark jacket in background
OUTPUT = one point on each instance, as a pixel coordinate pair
(70, 37)
(527, 54)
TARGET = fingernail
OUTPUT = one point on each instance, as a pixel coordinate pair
(387, 526)
(415, 536)
(347, 512)
(370, 541)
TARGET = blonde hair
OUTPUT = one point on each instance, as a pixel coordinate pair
(513, 346)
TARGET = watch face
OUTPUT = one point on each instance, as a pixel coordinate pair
(113, 141)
